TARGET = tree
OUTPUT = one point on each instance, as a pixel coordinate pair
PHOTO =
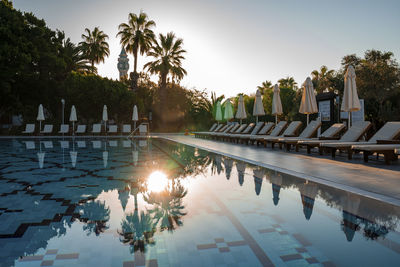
(168, 55)
(287, 82)
(94, 46)
(74, 58)
(322, 79)
(136, 36)
(265, 86)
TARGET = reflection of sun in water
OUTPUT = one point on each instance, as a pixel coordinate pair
(157, 181)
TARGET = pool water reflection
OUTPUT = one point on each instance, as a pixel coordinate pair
(159, 203)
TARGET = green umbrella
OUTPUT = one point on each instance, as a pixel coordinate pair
(228, 110)
(218, 113)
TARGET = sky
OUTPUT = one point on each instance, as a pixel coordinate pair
(233, 46)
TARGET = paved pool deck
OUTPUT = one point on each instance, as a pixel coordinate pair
(373, 179)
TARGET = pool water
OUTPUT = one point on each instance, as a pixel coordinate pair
(117, 202)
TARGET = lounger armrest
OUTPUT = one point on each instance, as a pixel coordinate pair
(289, 135)
(328, 138)
(388, 141)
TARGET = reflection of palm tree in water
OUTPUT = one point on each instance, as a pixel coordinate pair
(137, 230)
(95, 215)
(167, 206)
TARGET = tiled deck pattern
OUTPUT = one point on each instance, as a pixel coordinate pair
(383, 182)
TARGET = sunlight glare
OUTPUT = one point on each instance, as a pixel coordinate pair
(157, 181)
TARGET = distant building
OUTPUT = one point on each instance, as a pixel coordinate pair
(123, 65)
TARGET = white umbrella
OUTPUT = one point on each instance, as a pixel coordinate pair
(105, 117)
(276, 103)
(308, 102)
(241, 112)
(73, 118)
(218, 113)
(135, 117)
(258, 108)
(40, 116)
(228, 114)
(350, 101)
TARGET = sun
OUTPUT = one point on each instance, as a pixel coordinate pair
(157, 181)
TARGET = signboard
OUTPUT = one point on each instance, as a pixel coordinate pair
(356, 115)
(324, 108)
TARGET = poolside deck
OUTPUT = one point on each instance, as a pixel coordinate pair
(373, 179)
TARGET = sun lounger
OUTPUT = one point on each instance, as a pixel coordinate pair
(96, 129)
(80, 129)
(29, 129)
(275, 132)
(113, 129)
(219, 128)
(290, 131)
(356, 131)
(307, 133)
(389, 151)
(47, 129)
(64, 129)
(227, 129)
(126, 129)
(212, 128)
(268, 126)
(256, 129)
(246, 131)
(332, 133)
(237, 128)
(389, 132)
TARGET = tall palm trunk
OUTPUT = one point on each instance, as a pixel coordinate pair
(135, 75)
(135, 58)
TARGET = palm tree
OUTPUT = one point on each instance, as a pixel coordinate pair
(322, 78)
(94, 46)
(168, 55)
(136, 35)
(287, 82)
(265, 86)
(75, 59)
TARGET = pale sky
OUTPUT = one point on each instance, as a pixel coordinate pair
(233, 46)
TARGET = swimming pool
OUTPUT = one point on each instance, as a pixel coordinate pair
(116, 202)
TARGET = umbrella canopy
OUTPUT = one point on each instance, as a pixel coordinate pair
(308, 101)
(241, 112)
(228, 114)
(350, 97)
(105, 114)
(218, 113)
(135, 116)
(276, 181)
(72, 116)
(258, 176)
(308, 192)
(276, 103)
(258, 108)
(40, 115)
(228, 167)
(241, 168)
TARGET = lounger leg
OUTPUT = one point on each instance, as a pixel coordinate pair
(308, 149)
(366, 154)
(320, 151)
(333, 152)
(288, 146)
(297, 148)
(388, 157)
(272, 145)
(265, 143)
(349, 153)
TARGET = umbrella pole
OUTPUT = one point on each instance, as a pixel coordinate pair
(73, 127)
(240, 121)
(307, 118)
(276, 119)
(256, 119)
(349, 120)
(40, 126)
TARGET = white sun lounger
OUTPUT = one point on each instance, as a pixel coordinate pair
(29, 129)
(112, 129)
(80, 129)
(96, 128)
(48, 129)
(126, 128)
(64, 129)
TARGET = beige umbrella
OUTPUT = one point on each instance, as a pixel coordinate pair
(350, 101)
(241, 112)
(258, 108)
(73, 118)
(40, 116)
(308, 102)
(105, 117)
(135, 117)
(276, 103)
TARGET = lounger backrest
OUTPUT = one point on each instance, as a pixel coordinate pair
(213, 127)
(334, 130)
(278, 128)
(222, 128)
(310, 130)
(81, 128)
(228, 128)
(248, 128)
(48, 128)
(267, 127)
(126, 128)
(389, 131)
(112, 128)
(257, 128)
(356, 131)
(143, 129)
(241, 128)
(64, 128)
(234, 128)
(96, 128)
(29, 128)
(292, 128)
